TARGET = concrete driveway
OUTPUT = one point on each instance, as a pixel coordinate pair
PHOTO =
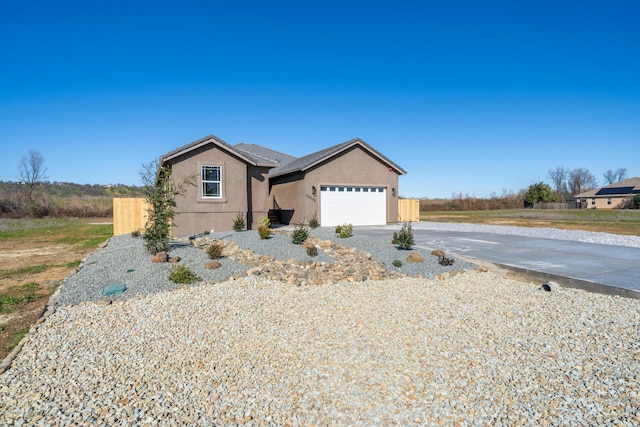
(595, 267)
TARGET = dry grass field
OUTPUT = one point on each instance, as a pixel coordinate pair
(35, 256)
(626, 222)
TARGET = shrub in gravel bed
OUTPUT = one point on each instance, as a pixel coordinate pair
(239, 224)
(300, 235)
(214, 250)
(181, 274)
(404, 238)
(344, 231)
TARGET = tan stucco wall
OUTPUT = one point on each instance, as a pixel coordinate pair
(354, 167)
(196, 214)
(616, 203)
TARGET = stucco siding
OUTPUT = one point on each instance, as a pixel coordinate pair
(195, 213)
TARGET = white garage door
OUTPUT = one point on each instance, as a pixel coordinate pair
(352, 205)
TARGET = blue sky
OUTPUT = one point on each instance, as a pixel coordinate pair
(477, 98)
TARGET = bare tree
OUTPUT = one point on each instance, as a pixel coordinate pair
(559, 177)
(581, 180)
(31, 171)
(618, 175)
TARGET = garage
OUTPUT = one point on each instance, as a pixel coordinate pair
(356, 205)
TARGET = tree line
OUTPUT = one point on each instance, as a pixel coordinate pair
(33, 196)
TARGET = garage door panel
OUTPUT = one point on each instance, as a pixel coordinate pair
(354, 207)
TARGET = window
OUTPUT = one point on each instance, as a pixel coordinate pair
(608, 200)
(593, 201)
(211, 181)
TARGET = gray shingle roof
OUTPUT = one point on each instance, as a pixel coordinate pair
(310, 160)
(281, 163)
(262, 154)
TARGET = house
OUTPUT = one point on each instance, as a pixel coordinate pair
(349, 182)
(614, 196)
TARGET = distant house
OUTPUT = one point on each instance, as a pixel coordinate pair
(614, 196)
(349, 182)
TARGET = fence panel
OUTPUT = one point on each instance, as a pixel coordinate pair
(129, 214)
(408, 210)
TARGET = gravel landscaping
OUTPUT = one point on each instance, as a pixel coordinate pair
(473, 349)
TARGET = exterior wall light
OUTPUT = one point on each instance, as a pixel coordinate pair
(393, 192)
(313, 190)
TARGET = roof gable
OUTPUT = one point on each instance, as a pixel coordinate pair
(304, 163)
(214, 140)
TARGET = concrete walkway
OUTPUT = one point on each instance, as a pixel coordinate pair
(595, 267)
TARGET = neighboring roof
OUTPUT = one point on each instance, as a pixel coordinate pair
(623, 188)
(212, 139)
(262, 154)
(303, 163)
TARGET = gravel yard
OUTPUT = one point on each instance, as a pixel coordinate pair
(475, 349)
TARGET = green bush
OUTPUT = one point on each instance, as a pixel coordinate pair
(239, 224)
(397, 263)
(636, 201)
(394, 238)
(181, 274)
(214, 250)
(264, 229)
(404, 239)
(300, 234)
(206, 232)
(345, 230)
(312, 251)
(313, 221)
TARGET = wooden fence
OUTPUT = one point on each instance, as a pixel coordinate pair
(129, 214)
(408, 210)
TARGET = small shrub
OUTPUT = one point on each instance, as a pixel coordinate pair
(446, 261)
(264, 229)
(206, 232)
(312, 251)
(214, 250)
(397, 263)
(345, 230)
(404, 239)
(239, 224)
(181, 274)
(300, 234)
(135, 234)
(313, 221)
(394, 238)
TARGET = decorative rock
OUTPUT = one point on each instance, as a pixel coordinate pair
(114, 289)
(549, 286)
(437, 252)
(482, 269)
(415, 257)
(160, 257)
(212, 265)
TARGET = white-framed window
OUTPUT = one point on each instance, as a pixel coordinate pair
(211, 178)
(608, 200)
(593, 201)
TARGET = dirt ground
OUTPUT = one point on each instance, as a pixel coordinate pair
(24, 254)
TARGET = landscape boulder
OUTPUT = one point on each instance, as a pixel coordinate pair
(212, 265)
(415, 257)
(160, 257)
(437, 252)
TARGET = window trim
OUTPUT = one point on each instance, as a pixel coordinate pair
(202, 182)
